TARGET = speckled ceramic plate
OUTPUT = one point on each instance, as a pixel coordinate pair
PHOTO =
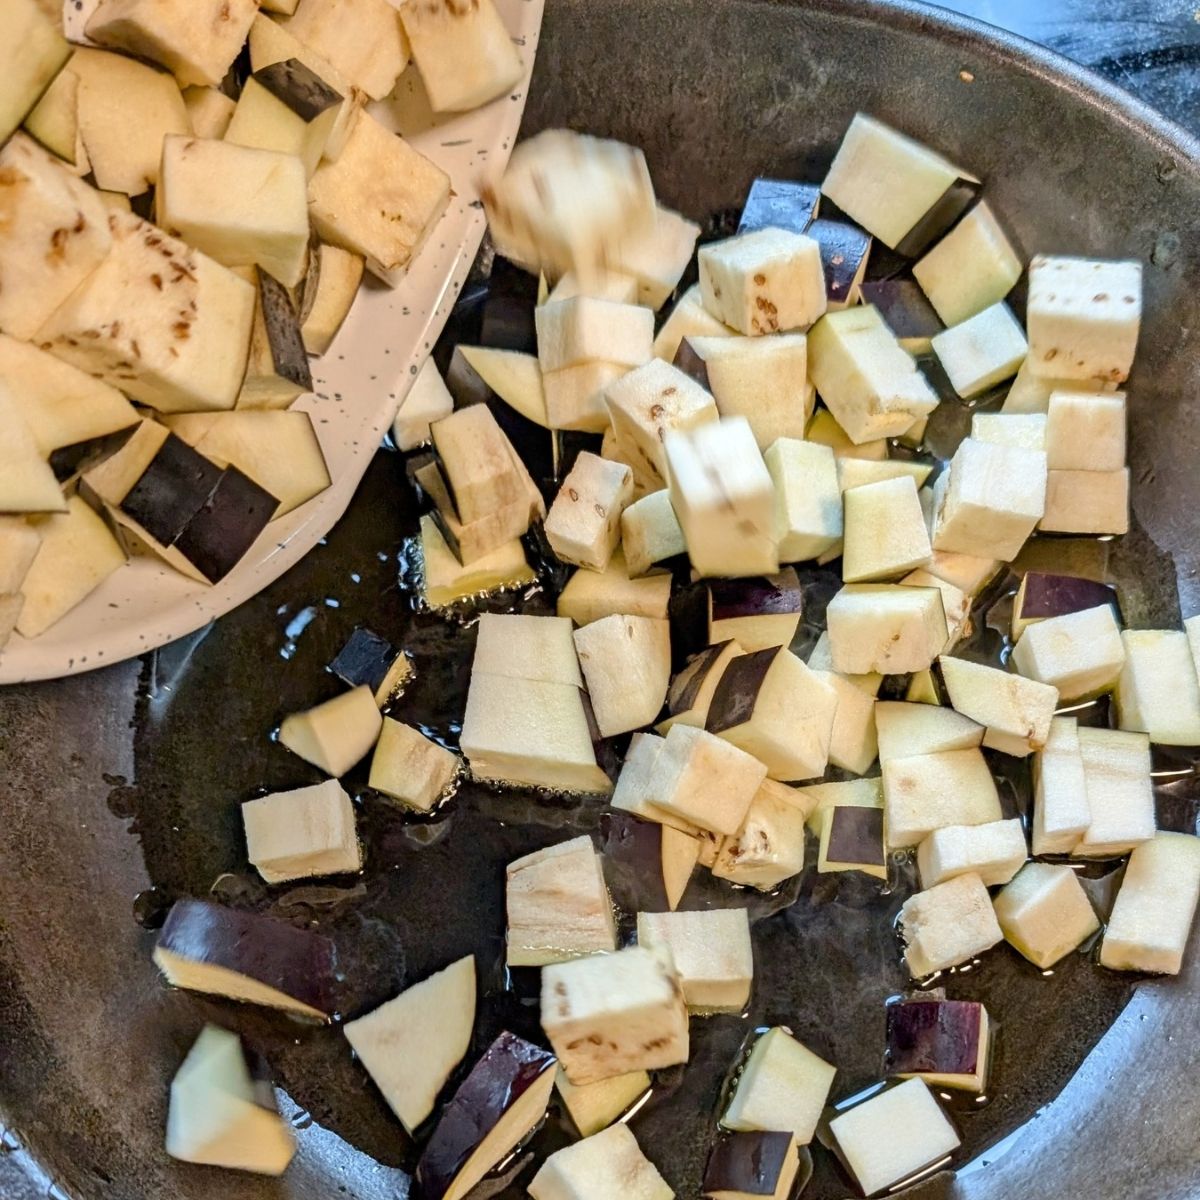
(358, 386)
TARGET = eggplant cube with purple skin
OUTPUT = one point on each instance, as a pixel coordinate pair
(949, 924)
(1042, 596)
(930, 791)
(337, 734)
(1079, 653)
(626, 662)
(845, 250)
(945, 1043)
(769, 847)
(711, 951)
(755, 613)
(367, 658)
(650, 533)
(768, 281)
(1095, 502)
(808, 502)
(691, 691)
(885, 533)
(1158, 691)
(1061, 813)
(783, 1083)
(558, 905)
(606, 1166)
(744, 1166)
(886, 628)
(852, 840)
(584, 522)
(1120, 792)
(478, 463)
(771, 705)
(1045, 913)
(1016, 712)
(779, 204)
(995, 851)
(611, 1014)
(303, 833)
(496, 1107)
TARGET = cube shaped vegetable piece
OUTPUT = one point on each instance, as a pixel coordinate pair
(779, 204)
(478, 461)
(885, 532)
(1015, 711)
(209, 110)
(852, 840)
(808, 507)
(905, 312)
(956, 604)
(761, 379)
(1085, 431)
(769, 847)
(893, 1135)
(691, 691)
(27, 483)
(575, 396)
(1083, 317)
(1042, 596)
(474, 540)
(636, 784)
(302, 833)
(428, 400)
(241, 206)
(757, 613)
(1061, 814)
(817, 797)
(54, 233)
(825, 431)
(362, 39)
(867, 380)
(445, 580)
(651, 402)
(174, 325)
(894, 187)
(1158, 692)
(886, 628)
(656, 256)
(930, 791)
(367, 658)
(723, 496)
(983, 351)
(966, 572)
(650, 532)
(858, 472)
(761, 1163)
(1152, 917)
(783, 1083)
(606, 1166)
(1120, 793)
(1095, 502)
(772, 706)
(19, 544)
(590, 595)
(689, 318)
(34, 53)
(853, 742)
(948, 924)
(945, 1043)
(595, 1106)
(1079, 653)
(763, 282)
(514, 377)
(990, 500)
(522, 646)
(906, 730)
(1030, 393)
(610, 1014)
(336, 734)
(845, 249)
(1045, 913)
(711, 951)
(584, 522)
(409, 767)
(995, 852)
(558, 905)
(582, 330)
(973, 267)
(704, 780)
(381, 199)
(626, 662)
(1027, 430)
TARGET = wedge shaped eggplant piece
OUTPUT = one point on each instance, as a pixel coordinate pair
(497, 1106)
(329, 296)
(844, 252)
(691, 691)
(277, 371)
(780, 204)
(227, 524)
(745, 1165)
(944, 1042)
(31, 55)
(852, 840)
(244, 956)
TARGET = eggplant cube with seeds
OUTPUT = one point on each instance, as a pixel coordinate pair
(947, 925)
(1120, 792)
(1016, 712)
(1078, 653)
(984, 350)
(1158, 692)
(608, 1165)
(691, 691)
(1084, 316)
(626, 662)
(782, 1084)
(1061, 812)
(945, 1043)
(769, 847)
(808, 503)
(650, 533)
(303, 833)
(611, 1014)
(584, 522)
(852, 840)
(711, 951)
(1095, 502)
(743, 1166)
(410, 767)
(885, 532)
(1152, 918)
(596, 1106)
(755, 613)
(995, 851)
(769, 281)
(558, 905)
(885, 628)
(1045, 913)
(929, 791)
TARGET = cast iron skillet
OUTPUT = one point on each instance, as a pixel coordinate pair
(716, 93)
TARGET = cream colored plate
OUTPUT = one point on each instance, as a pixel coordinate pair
(358, 385)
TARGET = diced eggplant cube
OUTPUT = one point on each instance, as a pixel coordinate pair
(34, 52)
(1045, 913)
(711, 951)
(885, 532)
(277, 371)
(209, 110)
(984, 350)
(930, 791)
(887, 628)
(411, 768)
(217, 538)
(746, 1165)
(336, 734)
(1158, 692)
(1120, 792)
(656, 257)
(868, 381)
(339, 273)
(947, 925)
(906, 730)
(27, 482)
(620, 289)
(303, 833)
(896, 188)
(824, 430)
(808, 508)
(779, 204)
(945, 1043)
(514, 377)
(769, 847)
(478, 462)
(1042, 596)
(636, 784)
(956, 604)
(691, 691)
(626, 662)
(1061, 813)
(558, 906)
(995, 852)
(769, 281)
(689, 318)
(596, 1106)
(583, 330)
(1078, 653)
(816, 798)
(575, 396)
(757, 613)
(1026, 430)
(967, 572)
(614, 1013)
(590, 595)
(1084, 317)
(783, 1083)
(1085, 431)
(905, 311)
(363, 39)
(19, 545)
(1016, 712)
(852, 840)
(1154, 910)
(411, 1044)
(844, 252)
(493, 1111)
(367, 658)
(427, 403)
(584, 522)
(853, 743)
(990, 500)
(523, 646)
(608, 1165)
(248, 957)
(1095, 502)
(650, 533)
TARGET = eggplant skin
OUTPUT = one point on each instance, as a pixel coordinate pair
(933, 1037)
(632, 850)
(366, 658)
(692, 365)
(225, 527)
(684, 697)
(750, 1163)
(856, 836)
(736, 695)
(294, 961)
(171, 490)
(505, 1072)
(780, 204)
(759, 596)
(1046, 595)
